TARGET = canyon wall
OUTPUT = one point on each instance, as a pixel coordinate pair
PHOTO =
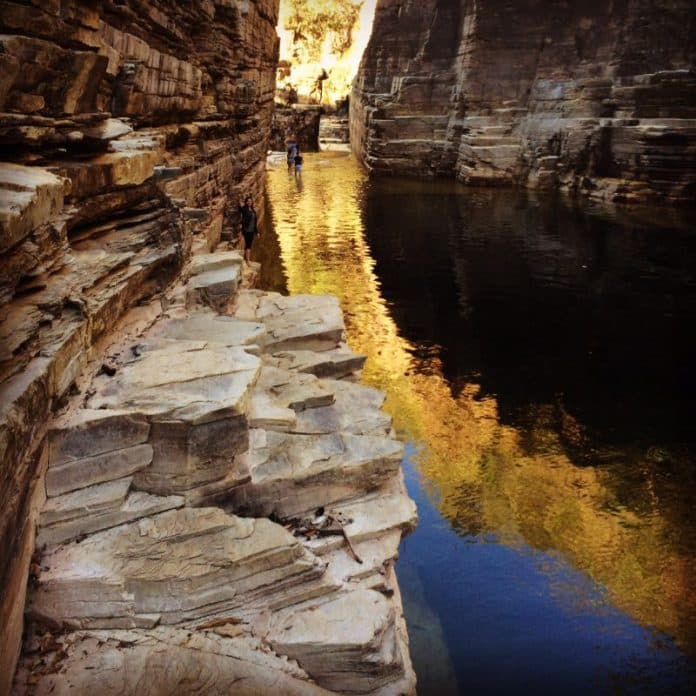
(591, 97)
(128, 130)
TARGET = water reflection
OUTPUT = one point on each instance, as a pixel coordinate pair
(540, 359)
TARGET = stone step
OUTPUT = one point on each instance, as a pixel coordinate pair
(202, 263)
(356, 409)
(347, 644)
(72, 475)
(211, 328)
(214, 288)
(290, 473)
(195, 398)
(299, 322)
(336, 363)
(179, 566)
(89, 510)
(280, 394)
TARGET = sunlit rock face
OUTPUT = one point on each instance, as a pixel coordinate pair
(592, 97)
(128, 130)
(321, 38)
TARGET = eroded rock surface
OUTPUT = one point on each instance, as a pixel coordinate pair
(129, 130)
(592, 97)
(215, 482)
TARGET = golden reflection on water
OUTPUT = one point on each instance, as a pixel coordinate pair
(488, 477)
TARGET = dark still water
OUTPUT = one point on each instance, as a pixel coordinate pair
(538, 359)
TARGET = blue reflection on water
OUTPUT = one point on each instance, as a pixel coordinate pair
(488, 618)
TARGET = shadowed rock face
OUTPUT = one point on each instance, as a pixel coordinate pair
(590, 96)
(129, 128)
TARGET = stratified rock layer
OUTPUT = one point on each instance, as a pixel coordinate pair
(213, 482)
(129, 129)
(593, 97)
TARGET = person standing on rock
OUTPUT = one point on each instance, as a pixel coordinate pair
(249, 226)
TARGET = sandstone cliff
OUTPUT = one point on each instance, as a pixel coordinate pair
(593, 97)
(127, 127)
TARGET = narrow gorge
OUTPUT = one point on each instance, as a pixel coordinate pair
(202, 459)
(201, 495)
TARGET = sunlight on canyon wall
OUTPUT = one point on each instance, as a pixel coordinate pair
(322, 37)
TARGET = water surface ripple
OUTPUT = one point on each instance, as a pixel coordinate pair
(538, 360)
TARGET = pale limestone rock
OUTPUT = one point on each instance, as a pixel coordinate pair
(89, 511)
(370, 517)
(202, 263)
(292, 474)
(280, 394)
(196, 400)
(80, 473)
(213, 328)
(357, 409)
(214, 288)
(182, 565)
(309, 322)
(347, 644)
(336, 363)
(166, 662)
(194, 386)
(376, 555)
(294, 390)
(94, 500)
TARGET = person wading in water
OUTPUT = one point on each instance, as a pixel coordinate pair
(298, 163)
(249, 226)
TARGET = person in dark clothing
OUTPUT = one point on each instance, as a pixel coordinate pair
(298, 163)
(249, 226)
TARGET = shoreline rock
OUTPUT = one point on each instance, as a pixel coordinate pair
(282, 515)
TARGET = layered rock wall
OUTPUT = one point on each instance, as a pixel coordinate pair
(128, 131)
(586, 96)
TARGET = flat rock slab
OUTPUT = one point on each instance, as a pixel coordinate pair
(97, 499)
(196, 397)
(371, 517)
(212, 328)
(81, 473)
(292, 474)
(87, 511)
(347, 644)
(215, 288)
(334, 363)
(357, 409)
(299, 322)
(192, 385)
(280, 394)
(163, 662)
(181, 565)
(202, 263)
